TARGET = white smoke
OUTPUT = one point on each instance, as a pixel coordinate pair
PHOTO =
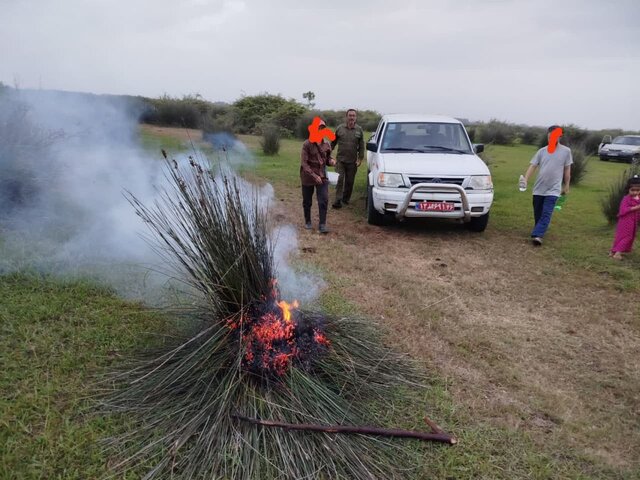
(293, 284)
(65, 212)
(62, 207)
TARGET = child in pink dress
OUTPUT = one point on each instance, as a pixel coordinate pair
(628, 218)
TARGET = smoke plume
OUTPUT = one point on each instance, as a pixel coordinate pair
(65, 161)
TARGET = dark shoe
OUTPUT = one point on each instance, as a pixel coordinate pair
(537, 241)
(308, 226)
(337, 205)
(323, 228)
(346, 202)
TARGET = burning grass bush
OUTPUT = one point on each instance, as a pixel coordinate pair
(248, 355)
(580, 165)
(611, 201)
(270, 139)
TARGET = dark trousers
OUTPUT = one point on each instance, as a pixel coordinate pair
(322, 196)
(347, 175)
(542, 211)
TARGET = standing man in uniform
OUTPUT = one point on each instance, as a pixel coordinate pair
(350, 143)
(554, 178)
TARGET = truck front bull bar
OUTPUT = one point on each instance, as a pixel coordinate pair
(431, 188)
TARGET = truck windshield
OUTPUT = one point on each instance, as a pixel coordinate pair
(425, 137)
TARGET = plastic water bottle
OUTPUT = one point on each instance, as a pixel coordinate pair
(560, 202)
(522, 183)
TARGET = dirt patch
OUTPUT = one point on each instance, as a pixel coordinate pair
(526, 341)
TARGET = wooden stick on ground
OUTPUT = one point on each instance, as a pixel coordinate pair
(433, 425)
(436, 436)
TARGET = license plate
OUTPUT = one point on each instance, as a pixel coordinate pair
(613, 154)
(435, 206)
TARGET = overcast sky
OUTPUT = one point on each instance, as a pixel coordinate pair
(535, 62)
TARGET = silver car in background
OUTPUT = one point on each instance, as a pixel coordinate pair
(625, 148)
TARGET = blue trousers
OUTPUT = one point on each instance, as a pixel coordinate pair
(542, 211)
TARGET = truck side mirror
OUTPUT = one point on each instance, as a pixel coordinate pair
(478, 147)
(372, 146)
(606, 139)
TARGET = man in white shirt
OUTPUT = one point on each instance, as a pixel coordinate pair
(554, 177)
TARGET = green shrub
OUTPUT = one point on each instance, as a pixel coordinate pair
(256, 109)
(591, 142)
(333, 118)
(471, 131)
(188, 111)
(287, 116)
(611, 201)
(270, 139)
(301, 131)
(533, 135)
(368, 120)
(579, 166)
(573, 136)
(497, 132)
(221, 118)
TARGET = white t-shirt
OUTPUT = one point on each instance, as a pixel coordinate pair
(551, 170)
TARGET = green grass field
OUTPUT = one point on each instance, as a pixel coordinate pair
(58, 336)
(55, 337)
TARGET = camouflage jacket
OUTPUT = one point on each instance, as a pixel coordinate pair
(350, 143)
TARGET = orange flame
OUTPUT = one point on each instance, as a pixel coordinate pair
(320, 338)
(270, 338)
(286, 309)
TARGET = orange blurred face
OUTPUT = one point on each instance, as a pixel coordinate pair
(351, 117)
(549, 135)
(634, 190)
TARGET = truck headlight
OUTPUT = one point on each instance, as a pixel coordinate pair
(390, 180)
(481, 182)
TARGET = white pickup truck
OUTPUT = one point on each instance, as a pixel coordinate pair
(425, 166)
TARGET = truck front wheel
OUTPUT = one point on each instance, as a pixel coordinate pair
(373, 216)
(478, 224)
